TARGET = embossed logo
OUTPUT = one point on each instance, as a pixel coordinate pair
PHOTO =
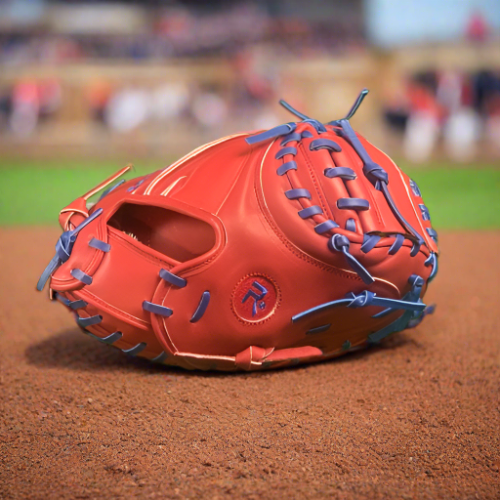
(255, 298)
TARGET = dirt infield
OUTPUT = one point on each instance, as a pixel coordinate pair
(417, 418)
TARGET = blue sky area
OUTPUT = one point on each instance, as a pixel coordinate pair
(397, 22)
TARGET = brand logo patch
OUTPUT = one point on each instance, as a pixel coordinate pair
(255, 298)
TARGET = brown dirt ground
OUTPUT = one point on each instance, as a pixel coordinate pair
(418, 417)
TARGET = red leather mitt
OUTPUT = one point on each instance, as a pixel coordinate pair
(294, 245)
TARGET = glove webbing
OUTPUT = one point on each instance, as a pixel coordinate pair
(374, 172)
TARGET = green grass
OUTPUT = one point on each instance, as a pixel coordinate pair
(460, 198)
(33, 192)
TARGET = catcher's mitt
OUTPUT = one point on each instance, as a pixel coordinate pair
(293, 245)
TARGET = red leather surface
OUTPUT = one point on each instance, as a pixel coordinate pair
(254, 235)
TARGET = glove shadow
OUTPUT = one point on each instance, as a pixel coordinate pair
(75, 351)
(72, 349)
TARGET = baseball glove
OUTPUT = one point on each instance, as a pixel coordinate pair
(295, 245)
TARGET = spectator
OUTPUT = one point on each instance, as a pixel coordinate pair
(422, 129)
(25, 108)
(127, 109)
(98, 94)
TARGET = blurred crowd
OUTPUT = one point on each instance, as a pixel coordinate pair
(95, 51)
(162, 33)
(249, 96)
(434, 111)
(51, 34)
(202, 107)
(456, 110)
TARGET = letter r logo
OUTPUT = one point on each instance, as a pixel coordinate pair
(256, 297)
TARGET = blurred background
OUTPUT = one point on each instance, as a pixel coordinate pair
(88, 85)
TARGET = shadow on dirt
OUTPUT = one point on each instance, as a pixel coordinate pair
(73, 350)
